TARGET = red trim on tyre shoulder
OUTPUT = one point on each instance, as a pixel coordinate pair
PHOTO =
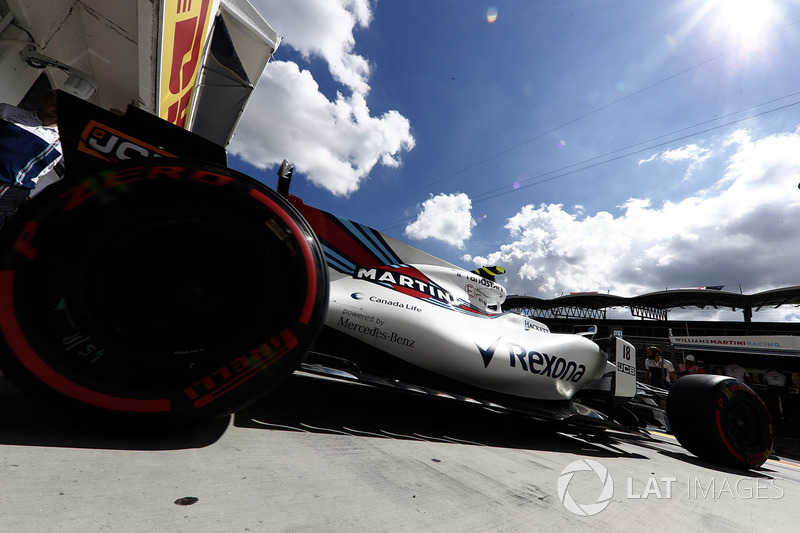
(721, 433)
(311, 269)
(30, 359)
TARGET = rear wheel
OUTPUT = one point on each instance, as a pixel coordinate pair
(163, 288)
(720, 419)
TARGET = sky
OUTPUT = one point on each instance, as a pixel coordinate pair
(616, 146)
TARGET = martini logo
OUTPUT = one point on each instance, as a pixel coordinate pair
(407, 280)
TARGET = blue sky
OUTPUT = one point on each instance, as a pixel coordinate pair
(613, 146)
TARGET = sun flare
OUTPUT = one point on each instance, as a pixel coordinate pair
(743, 23)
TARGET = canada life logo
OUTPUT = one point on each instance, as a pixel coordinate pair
(605, 481)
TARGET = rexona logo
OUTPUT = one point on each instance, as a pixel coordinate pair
(537, 363)
(407, 280)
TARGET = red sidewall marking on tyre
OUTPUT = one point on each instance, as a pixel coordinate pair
(289, 344)
(724, 440)
(311, 269)
(28, 357)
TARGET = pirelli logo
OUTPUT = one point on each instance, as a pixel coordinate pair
(101, 141)
(185, 29)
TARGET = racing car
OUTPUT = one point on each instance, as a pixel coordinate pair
(155, 283)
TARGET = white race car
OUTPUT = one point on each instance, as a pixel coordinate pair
(168, 288)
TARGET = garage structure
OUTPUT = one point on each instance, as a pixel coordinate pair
(714, 343)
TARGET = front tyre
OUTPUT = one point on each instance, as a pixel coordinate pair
(720, 419)
(165, 288)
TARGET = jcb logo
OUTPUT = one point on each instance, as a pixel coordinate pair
(627, 369)
(99, 140)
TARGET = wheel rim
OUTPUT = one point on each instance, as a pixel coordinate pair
(741, 423)
(178, 304)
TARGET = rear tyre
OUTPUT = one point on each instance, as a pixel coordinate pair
(720, 419)
(159, 289)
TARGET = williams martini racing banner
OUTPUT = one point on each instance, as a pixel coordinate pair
(781, 345)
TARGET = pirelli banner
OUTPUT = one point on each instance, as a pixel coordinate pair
(185, 29)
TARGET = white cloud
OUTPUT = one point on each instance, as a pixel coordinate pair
(692, 153)
(742, 230)
(323, 28)
(334, 143)
(446, 217)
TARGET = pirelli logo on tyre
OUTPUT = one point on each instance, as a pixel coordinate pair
(109, 144)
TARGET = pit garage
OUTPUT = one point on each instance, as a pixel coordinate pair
(765, 350)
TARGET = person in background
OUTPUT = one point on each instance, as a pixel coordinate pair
(30, 147)
(690, 367)
(737, 371)
(658, 371)
(773, 378)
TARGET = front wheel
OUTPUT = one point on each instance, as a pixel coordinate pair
(720, 419)
(161, 289)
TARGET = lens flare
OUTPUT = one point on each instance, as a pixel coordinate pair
(745, 20)
(745, 25)
(491, 14)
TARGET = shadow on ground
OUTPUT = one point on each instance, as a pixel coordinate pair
(27, 423)
(318, 405)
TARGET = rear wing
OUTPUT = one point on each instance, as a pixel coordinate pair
(92, 138)
(624, 382)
